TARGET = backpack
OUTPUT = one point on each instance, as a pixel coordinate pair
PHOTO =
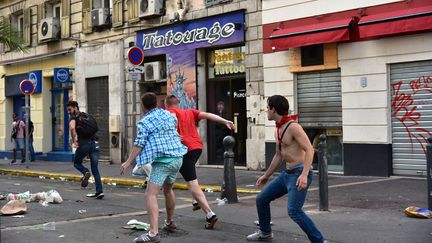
(86, 125)
(15, 129)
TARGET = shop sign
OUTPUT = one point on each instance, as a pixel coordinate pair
(228, 61)
(62, 75)
(337, 132)
(36, 78)
(214, 30)
(240, 94)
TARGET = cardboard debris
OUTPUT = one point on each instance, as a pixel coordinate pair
(14, 207)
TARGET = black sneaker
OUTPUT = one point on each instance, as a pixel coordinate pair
(85, 179)
(23, 161)
(97, 195)
(211, 222)
(13, 162)
(195, 206)
(170, 227)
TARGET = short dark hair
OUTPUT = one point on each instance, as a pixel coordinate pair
(149, 100)
(171, 100)
(280, 104)
(72, 103)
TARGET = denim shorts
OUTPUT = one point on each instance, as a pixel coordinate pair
(165, 172)
(19, 143)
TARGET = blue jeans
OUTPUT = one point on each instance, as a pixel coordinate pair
(31, 150)
(92, 150)
(283, 184)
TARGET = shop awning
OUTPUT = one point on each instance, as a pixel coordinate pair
(396, 22)
(324, 32)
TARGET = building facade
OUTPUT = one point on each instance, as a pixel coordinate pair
(207, 53)
(358, 72)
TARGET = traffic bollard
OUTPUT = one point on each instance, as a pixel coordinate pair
(323, 173)
(429, 171)
(229, 188)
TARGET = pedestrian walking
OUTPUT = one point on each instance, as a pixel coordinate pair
(31, 148)
(293, 147)
(83, 129)
(187, 121)
(17, 137)
(158, 143)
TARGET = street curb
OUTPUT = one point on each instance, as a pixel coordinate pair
(112, 180)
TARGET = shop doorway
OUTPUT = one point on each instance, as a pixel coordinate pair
(227, 98)
(98, 107)
(60, 118)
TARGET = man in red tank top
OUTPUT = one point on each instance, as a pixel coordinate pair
(187, 121)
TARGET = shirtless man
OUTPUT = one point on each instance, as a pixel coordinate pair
(293, 147)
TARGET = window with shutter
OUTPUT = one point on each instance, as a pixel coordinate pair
(133, 11)
(117, 14)
(65, 19)
(86, 14)
(27, 27)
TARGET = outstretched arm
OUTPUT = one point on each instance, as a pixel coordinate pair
(215, 118)
(135, 151)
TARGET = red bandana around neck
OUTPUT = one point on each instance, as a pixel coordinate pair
(285, 119)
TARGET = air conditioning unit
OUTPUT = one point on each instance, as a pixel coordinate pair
(150, 8)
(49, 29)
(154, 71)
(100, 17)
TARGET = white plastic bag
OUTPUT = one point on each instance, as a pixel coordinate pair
(52, 196)
(21, 196)
(143, 171)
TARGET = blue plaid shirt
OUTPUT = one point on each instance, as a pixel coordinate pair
(157, 135)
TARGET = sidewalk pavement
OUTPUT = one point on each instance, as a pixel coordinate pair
(361, 209)
(208, 177)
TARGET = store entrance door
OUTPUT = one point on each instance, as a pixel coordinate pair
(60, 119)
(227, 98)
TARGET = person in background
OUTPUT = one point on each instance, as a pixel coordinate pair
(221, 131)
(17, 137)
(31, 148)
(187, 121)
(158, 143)
(86, 145)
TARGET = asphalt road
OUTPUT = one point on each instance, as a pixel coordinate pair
(82, 219)
(362, 210)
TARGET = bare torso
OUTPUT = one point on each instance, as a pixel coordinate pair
(291, 151)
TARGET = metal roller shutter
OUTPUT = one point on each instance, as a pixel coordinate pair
(98, 107)
(319, 99)
(411, 94)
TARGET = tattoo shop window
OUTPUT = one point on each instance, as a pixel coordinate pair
(312, 55)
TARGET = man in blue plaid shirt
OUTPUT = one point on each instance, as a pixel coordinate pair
(157, 143)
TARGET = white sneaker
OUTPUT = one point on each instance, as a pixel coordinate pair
(260, 236)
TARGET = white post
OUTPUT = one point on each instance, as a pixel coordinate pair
(26, 117)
